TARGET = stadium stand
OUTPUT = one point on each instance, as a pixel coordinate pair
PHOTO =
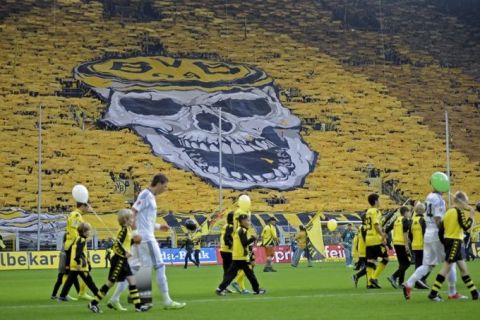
(370, 92)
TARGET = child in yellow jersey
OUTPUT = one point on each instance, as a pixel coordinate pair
(375, 241)
(302, 240)
(189, 246)
(119, 267)
(238, 283)
(455, 224)
(240, 258)
(62, 273)
(197, 246)
(226, 243)
(359, 245)
(401, 243)
(417, 231)
(79, 263)
(73, 221)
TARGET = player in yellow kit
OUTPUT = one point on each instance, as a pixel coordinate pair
(269, 241)
(455, 223)
(375, 241)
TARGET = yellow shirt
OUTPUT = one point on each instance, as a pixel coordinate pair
(301, 238)
(269, 235)
(417, 229)
(241, 245)
(400, 226)
(79, 255)
(226, 238)
(73, 221)
(361, 248)
(197, 240)
(122, 243)
(372, 218)
(455, 223)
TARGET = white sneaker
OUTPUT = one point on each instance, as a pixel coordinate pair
(175, 305)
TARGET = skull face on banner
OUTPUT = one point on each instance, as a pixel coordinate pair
(173, 104)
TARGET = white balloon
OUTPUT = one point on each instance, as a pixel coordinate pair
(80, 193)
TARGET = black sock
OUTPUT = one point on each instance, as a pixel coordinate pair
(135, 296)
(100, 294)
(437, 285)
(471, 286)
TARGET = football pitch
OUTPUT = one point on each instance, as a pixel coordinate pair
(322, 292)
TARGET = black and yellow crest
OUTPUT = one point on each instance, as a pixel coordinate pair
(168, 73)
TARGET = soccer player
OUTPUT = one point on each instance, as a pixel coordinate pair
(302, 240)
(401, 241)
(455, 223)
(359, 245)
(74, 219)
(119, 267)
(145, 215)
(416, 234)
(376, 243)
(226, 243)
(433, 250)
(269, 240)
(240, 258)
(79, 263)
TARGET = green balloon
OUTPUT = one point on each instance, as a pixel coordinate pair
(440, 182)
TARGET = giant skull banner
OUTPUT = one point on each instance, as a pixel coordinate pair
(173, 104)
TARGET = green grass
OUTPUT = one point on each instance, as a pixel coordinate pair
(322, 292)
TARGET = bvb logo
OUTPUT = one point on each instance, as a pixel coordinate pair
(173, 105)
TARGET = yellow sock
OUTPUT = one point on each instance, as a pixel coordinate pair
(240, 279)
(380, 268)
(64, 279)
(83, 287)
(369, 275)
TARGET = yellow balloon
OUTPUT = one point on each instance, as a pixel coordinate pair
(244, 203)
(332, 224)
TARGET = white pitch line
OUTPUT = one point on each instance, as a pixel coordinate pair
(219, 299)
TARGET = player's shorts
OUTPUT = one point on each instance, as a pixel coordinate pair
(269, 251)
(149, 254)
(433, 253)
(376, 251)
(453, 250)
(119, 269)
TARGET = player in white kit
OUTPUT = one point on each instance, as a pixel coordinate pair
(433, 249)
(145, 213)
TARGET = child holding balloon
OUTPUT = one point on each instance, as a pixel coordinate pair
(244, 205)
